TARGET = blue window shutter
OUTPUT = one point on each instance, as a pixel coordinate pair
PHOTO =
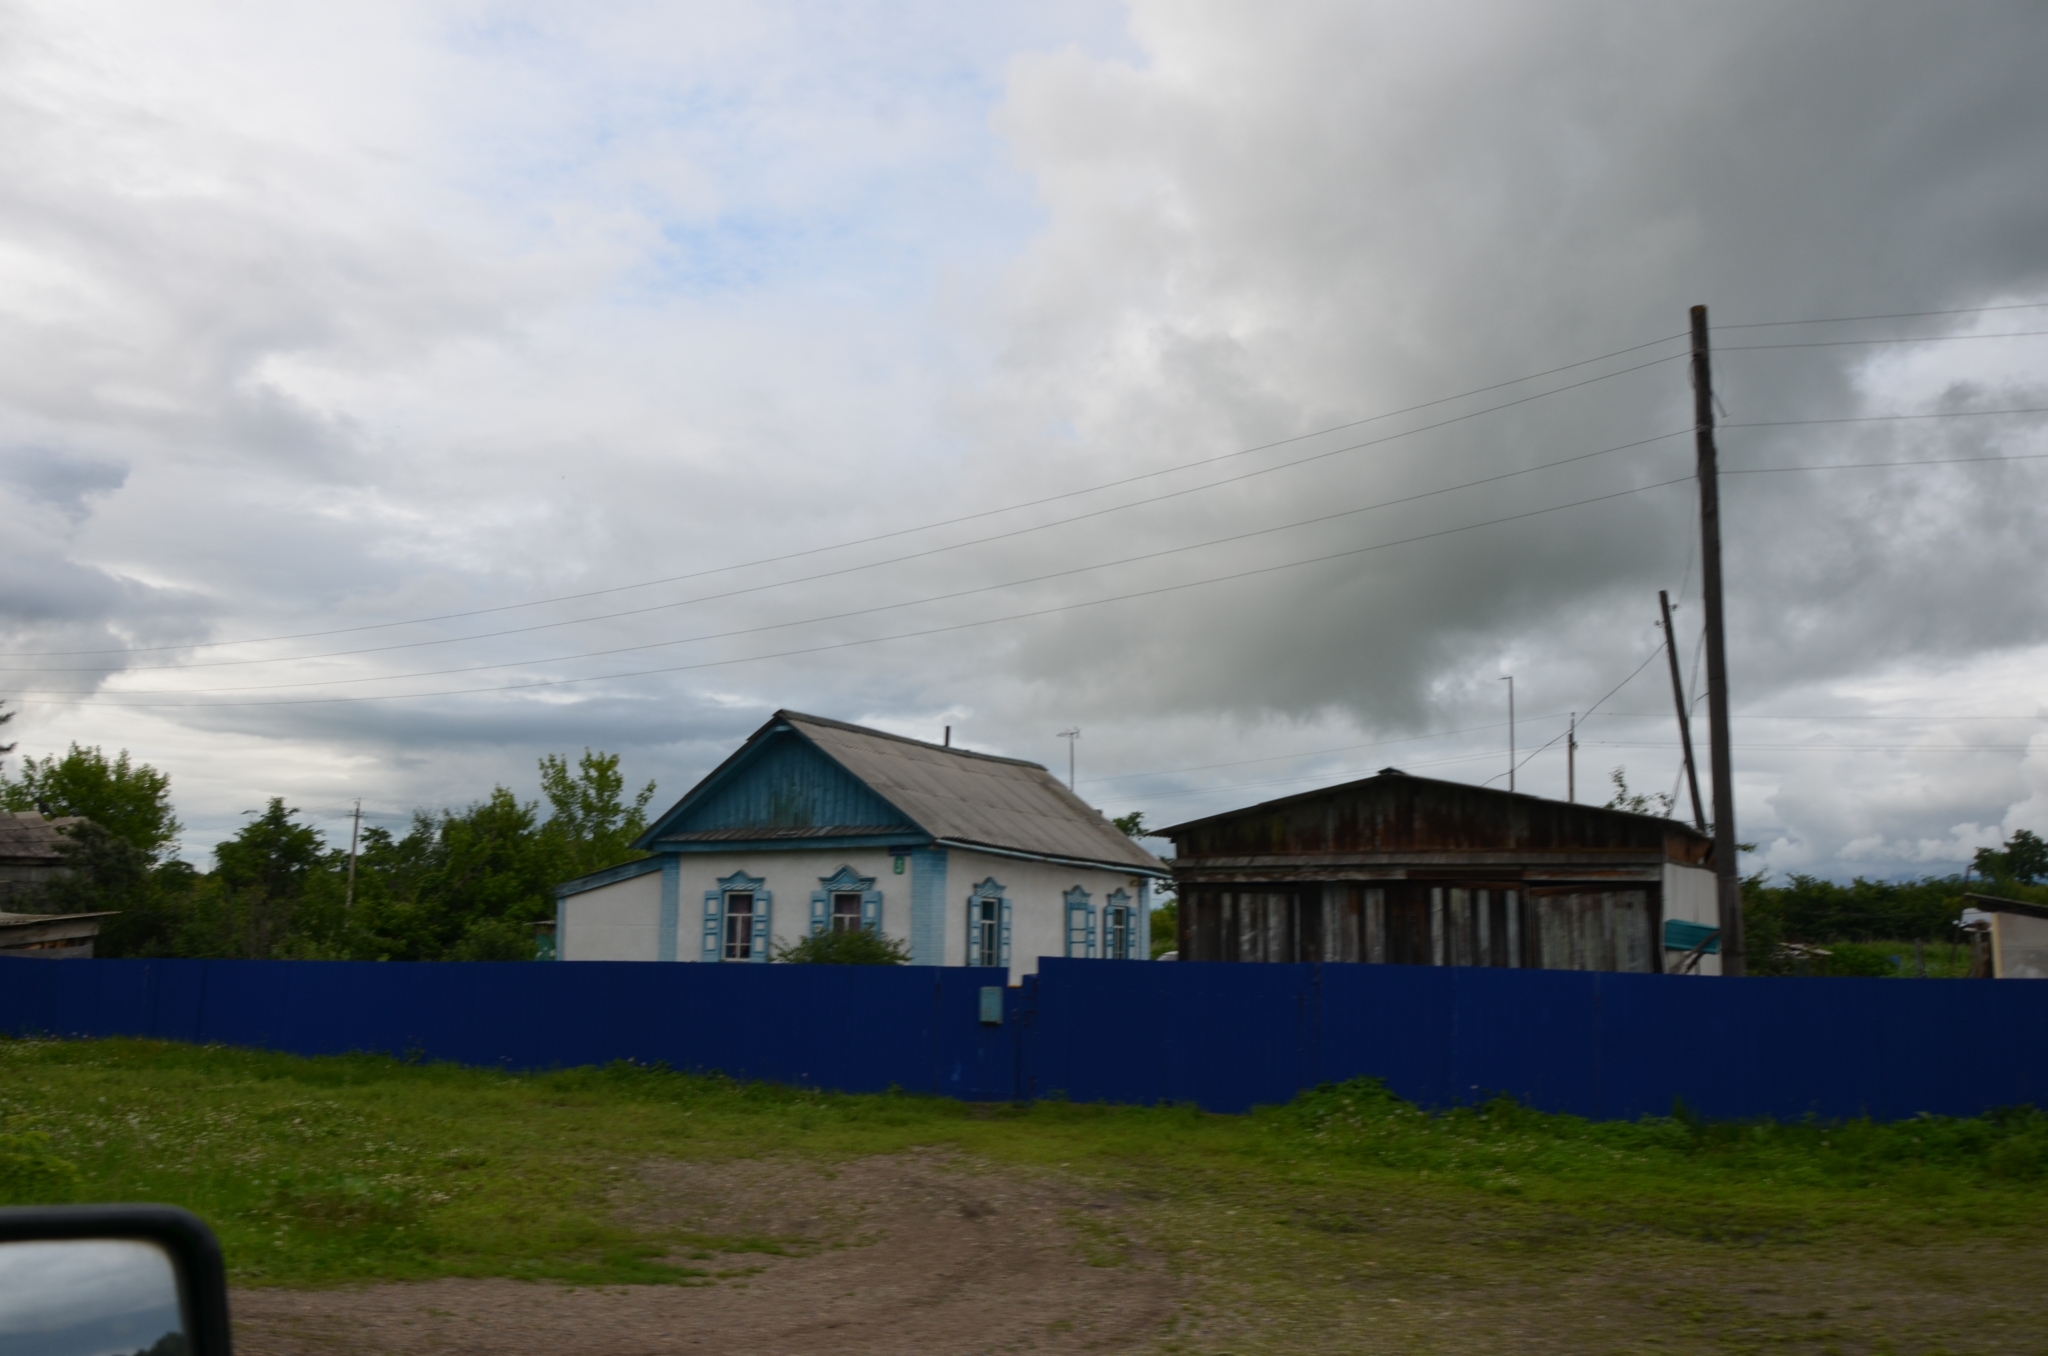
(762, 918)
(1005, 958)
(973, 930)
(871, 910)
(821, 916)
(714, 922)
(1089, 918)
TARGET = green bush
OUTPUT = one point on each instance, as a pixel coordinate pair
(855, 946)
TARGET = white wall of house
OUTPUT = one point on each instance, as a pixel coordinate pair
(615, 923)
(1037, 894)
(1690, 894)
(622, 921)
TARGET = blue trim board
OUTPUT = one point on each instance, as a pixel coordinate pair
(671, 907)
(886, 840)
(928, 906)
(611, 875)
(1023, 856)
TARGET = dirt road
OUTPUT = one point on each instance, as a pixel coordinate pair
(908, 1253)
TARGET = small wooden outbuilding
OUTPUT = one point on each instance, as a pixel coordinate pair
(1404, 870)
(31, 855)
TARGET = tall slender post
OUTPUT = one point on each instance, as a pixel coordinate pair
(355, 828)
(1072, 736)
(1726, 870)
(1509, 679)
(1692, 772)
(1571, 761)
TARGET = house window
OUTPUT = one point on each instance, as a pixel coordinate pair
(736, 919)
(739, 925)
(1119, 932)
(844, 902)
(988, 925)
(1080, 924)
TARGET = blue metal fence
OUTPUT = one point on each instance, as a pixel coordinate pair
(1225, 1036)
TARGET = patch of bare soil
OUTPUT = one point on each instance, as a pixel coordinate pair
(922, 1252)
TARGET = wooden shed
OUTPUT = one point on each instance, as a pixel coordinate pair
(1408, 870)
(31, 855)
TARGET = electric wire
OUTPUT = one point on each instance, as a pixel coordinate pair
(1896, 315)
(41, 699)
(852, 569)
(1899, 339)
(985, 513)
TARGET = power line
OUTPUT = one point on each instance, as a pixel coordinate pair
(985, 513)
(1025, 582)
(1878, 465)
(918, 555)
(28, 700)
(1310, 753)
(1896, 315)
(851, 569)
(1883, 418)
(1901, 339)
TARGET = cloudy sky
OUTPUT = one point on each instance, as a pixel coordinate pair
(393, 393)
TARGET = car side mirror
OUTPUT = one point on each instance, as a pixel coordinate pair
(110, 1280)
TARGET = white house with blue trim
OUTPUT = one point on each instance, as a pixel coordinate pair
(815, 824)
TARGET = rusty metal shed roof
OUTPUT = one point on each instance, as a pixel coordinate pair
(953, 796)
(33, 838)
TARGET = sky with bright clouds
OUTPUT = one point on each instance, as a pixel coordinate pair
(393, 393)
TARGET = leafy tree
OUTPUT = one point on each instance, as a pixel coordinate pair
(2024, 860)
(1635, 802)
(850, 946)
(130, 800)
(1131, 825)
(5, 716)
(590, 827)
(1165, 927)
(252, 906)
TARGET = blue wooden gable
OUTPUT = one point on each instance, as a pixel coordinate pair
(779, 786)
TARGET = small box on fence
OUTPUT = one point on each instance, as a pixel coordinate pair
(991, 1005)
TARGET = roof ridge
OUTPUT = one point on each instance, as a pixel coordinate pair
(905, 739)
(1391, 772)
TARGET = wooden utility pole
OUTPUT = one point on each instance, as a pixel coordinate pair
(355, 828)
(1692, 772)
(1726, 869)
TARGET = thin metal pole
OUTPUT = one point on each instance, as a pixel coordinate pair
(354, 832)
(1072, 737)
(1509, 679)
(1571, 761)
(1692, 774)
(1726, 869)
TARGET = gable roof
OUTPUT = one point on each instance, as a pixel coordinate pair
(31, 838)
(1397, 812)
(894, 785)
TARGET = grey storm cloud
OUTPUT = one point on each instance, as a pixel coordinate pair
(407, 320)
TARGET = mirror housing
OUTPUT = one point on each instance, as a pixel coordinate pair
(193, 1251)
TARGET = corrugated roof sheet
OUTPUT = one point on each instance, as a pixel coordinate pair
(975, 798)
(30, 837)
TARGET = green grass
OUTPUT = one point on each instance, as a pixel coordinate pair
(350, 1169)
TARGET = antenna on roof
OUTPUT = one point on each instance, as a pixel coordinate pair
(1072, 736)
